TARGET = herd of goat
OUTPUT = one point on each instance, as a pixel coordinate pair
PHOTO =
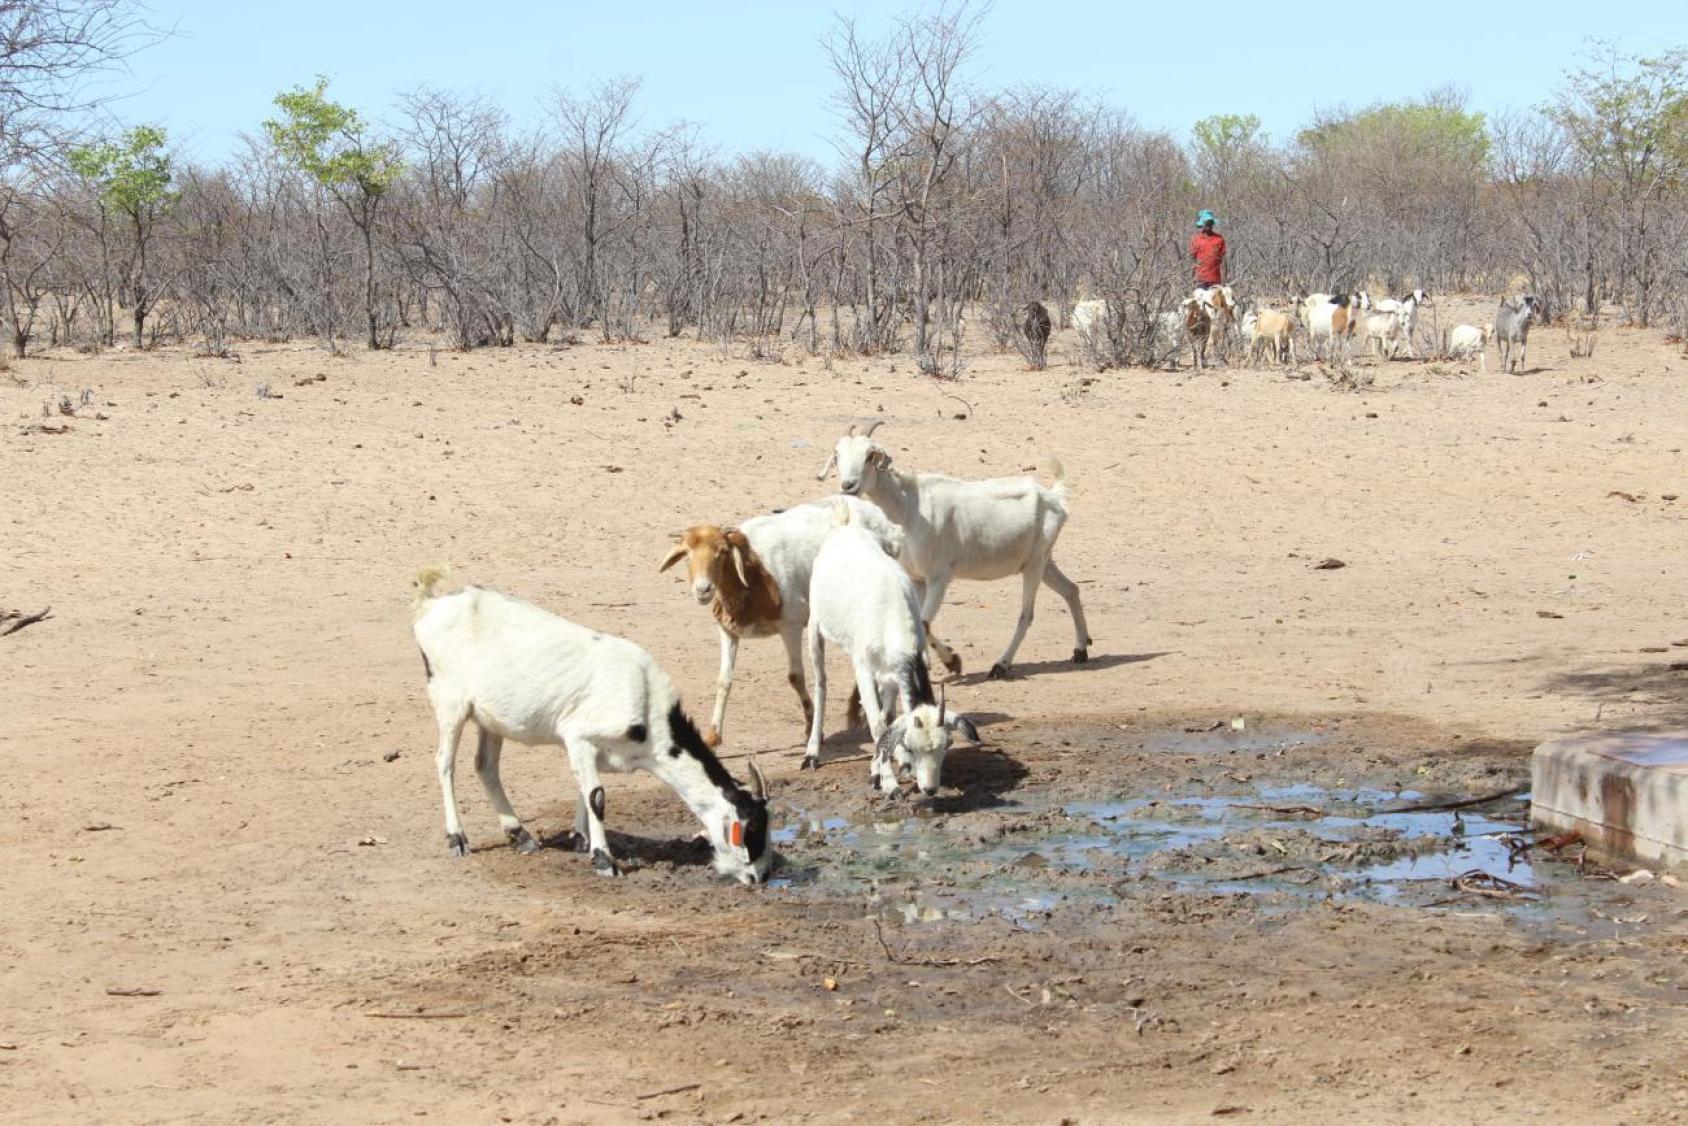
(1210, 318)
(865, 570)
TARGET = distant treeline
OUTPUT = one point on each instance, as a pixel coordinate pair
(945, 196)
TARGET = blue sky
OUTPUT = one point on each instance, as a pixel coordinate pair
(753, 75)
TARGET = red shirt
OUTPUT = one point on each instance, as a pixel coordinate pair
(1208, 249)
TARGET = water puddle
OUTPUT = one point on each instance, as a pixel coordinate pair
(1282, 845)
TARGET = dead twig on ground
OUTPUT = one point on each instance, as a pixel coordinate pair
(879, 933)
(417, 1016)
(1490, 886)
(1298, 810)
(1274, 872)
(22, 620)
(669, 1091)
(138, 991)
(1458, 803)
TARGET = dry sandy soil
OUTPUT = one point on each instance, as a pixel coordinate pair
(199, 804)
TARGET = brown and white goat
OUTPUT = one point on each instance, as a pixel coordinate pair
(755, 580)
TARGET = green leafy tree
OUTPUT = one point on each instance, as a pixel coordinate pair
(1628, 118)
(133, 181)
(332, 145)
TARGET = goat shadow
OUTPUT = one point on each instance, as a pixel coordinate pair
(1094, 664)
(634, 852)
(982, 774)
(977, 778)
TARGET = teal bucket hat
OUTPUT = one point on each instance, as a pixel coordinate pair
(1205, 216)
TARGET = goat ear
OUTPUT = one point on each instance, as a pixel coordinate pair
(674, 557)
(881, 458)
(738, 561)
(831, 464)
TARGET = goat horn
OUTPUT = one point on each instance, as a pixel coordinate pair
(852, 433)
(758, 784)
(942, 706)
(868, 433)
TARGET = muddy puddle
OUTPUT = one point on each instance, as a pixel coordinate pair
(1282, 845)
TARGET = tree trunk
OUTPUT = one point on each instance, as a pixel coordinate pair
(369, 282)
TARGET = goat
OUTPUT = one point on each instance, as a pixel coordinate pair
(864, 601)
(1408, 306)
(1388, 330)
(1270, 328)
(966, 530)
(1035, 324)
(525, 674)
(1088, 315)
(1333, 319)
(1198, 328)
(1408, 309)
(1464, 341)
(1220, 304)
(755, 580)
(1512, 329)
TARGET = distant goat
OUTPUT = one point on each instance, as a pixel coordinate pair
(1512, 329)
(1387, 330)
(1269, 328)
(1035, 324)
(524, 674)
(1465, 341)
(1332, 319)
(1089, 318)
(1408, 306)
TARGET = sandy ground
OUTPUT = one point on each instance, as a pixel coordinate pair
(198, 802)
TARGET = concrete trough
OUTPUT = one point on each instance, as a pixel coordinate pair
(1626, 793)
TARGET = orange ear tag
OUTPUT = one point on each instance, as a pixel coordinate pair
(738, 834)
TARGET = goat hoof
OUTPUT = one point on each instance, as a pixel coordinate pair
(999, 671)
(457, 844)
(953, 664)
(1080, 656)
(604, 864)
(811, 762)
(711, 737)
(522, 840)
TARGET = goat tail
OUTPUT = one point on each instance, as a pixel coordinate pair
(429, 580)
(840, 513)
(1052, 466)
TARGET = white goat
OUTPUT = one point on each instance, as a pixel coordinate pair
(1512, 329)
(755, 580)
(1408, 307)
(966, 530)
(524, 674)
(1388, 330)
(1089, 316)
(862, 600)
(1465, 341)
(1332, 318)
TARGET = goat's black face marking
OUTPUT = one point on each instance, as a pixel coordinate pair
(637, 733)
(596, 801)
